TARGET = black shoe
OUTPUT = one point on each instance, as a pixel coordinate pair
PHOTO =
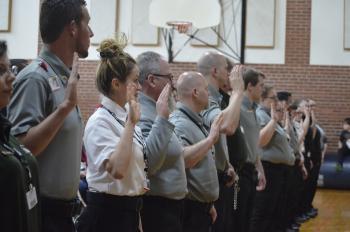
(301, 218)
(295, 226)
(296, 223)
(292, 230)
(312, 213)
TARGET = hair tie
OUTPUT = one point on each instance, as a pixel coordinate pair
(107, 55)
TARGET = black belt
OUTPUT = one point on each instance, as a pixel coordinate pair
(223, 177)
(248, 168)
(109, 201)
(273, 165)
(249, 171)
(163, 201)
(202, 206)
(64, 208)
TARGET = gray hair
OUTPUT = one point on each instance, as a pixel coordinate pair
(208, 61)
(148, 62)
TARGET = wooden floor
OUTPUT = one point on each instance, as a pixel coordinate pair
(333, 212)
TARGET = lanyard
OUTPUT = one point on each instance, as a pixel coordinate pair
(204, 131)
(135, 135)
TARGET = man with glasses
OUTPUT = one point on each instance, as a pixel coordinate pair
(163, 205)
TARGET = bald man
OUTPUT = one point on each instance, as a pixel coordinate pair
(202, 181)
(213, 66)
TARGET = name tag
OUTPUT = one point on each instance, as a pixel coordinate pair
(32, 199)
(54, 83)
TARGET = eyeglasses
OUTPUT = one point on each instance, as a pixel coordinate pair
(14, 70)
(167, 76)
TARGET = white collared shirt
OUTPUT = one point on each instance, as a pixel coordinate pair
(102, 133)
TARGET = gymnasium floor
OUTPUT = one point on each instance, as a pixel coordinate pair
(333, 212)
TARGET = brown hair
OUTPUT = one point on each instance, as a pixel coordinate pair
(265, 92)
(251, 75)
(114, 63)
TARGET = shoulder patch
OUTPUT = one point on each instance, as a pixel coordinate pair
(43, 65)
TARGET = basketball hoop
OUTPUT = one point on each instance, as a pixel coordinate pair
(199, 13)
(180, 26)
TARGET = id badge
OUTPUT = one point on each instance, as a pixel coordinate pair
(54, 83)
(146, 184)
(32, 199)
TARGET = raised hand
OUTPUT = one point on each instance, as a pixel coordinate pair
(215, 129)
(71, 96)
(306, 109)
(236, 79)
(162, 102)
(274, 114)
(134, 106)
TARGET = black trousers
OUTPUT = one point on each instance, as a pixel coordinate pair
(310, 186)
(294, 189)
(105, 213)
(197, 217)
(290, 196)
(224, 207)
(57, 214)
(160, 214)
(269, 206)
(246, 195)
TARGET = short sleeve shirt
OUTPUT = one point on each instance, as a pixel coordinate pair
(102, 134)
(37, 92)
(209, 115)
(168, 177)
(202, 180)
(249, 126)
(278, 149)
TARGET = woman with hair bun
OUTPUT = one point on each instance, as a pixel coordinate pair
(117, 171)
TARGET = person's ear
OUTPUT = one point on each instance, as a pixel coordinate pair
(115, 84)
(73, 28)
(249, 87)
(195, 93)
(213, 71)
(151, 80)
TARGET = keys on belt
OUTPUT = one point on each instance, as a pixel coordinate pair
(235, 192)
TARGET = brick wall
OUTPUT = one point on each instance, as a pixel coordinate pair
(327, 85)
